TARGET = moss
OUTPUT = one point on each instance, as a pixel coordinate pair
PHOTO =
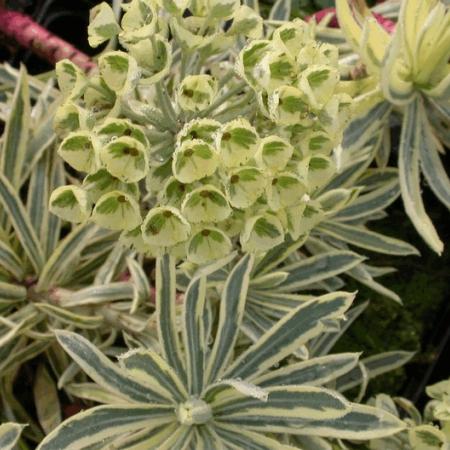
(422, 284)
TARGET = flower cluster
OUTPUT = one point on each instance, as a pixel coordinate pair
(179, 153)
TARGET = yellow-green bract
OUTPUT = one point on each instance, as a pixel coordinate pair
(232, 152)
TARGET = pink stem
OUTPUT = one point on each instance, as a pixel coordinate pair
(387, 24)
(27, 33)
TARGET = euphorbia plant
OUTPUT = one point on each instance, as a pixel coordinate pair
(408, 72)
(202, 390)
(51, 275)
(427, 431)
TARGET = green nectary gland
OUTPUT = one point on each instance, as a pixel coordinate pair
(194, 412)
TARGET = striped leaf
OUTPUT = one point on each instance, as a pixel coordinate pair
(313, 372)
(22, 355)
(317, 268)
(92, 392)
(166, 313)
(9, 435)
(292, 331)
(146, 439)
(106, 273)
(367, 204)
(374, 365)
(151, 370)
(57, 177)
(281, 10)
(278, 254)
(71, 318)
(10, 261)
(46, 400)
(98, 294)
(323, 344)
(207, 437)
(430, 160)
(12, 293)
(359, 129)
(237, 438)
(369, 240)
(103, 371)
(411, 141)
(361, 423)
(181, 439)
(40, 142)
(193, 331)
(284, 408)
(232, 306)
(63, 260)
(140, 283)
(16, 132)
(98, 424)
(21, 222)
(361, 274)
(38, 194)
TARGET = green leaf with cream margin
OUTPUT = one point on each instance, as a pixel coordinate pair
(156, 400)
(411, 142)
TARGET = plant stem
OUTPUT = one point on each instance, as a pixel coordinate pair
(29, 34)
(165, 103)
(222, 99)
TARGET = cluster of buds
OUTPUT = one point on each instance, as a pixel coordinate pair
(190, 152)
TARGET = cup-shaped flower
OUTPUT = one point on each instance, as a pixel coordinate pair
(316, 171)
(261, 233)
(237, 142)
(72, 81)
(285, 189)
(126, 159)
(319, 83)
(165, 227)
(273, 153)
(245, 185)
(208, 244)
(78, 150)
(117, 210)
(70, 203)
(193, 160)
(205, 204)
(119, 71)
(197, 92)
(101, 182)
(204, 129)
